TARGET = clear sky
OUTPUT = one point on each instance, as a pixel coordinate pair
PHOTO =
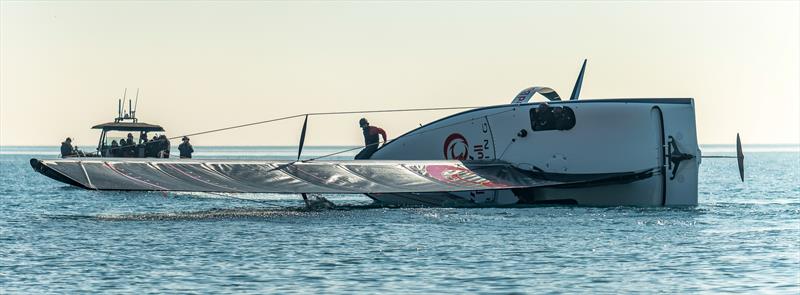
(205, 65)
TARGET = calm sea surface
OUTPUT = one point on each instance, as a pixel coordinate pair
(743, 237)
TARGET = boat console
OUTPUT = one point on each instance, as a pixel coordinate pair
(126, 137)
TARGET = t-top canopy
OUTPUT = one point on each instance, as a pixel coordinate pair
(128, 126)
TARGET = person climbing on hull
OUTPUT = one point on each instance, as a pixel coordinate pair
(371, 139)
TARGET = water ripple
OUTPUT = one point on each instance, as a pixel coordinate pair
(742, 238)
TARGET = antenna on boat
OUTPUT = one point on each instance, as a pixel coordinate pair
(576, 90)
(124, 98)
(135, 105)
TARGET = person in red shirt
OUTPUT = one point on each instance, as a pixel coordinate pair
(371, 139)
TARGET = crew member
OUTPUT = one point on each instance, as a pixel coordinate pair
(129, 148)
(66, 148)
(186, 148)
(564, 119)
(120, 152)
(151, 148)
(544, 117)
(558, 118)
(164, 146)
(114, 151)
(370, 139)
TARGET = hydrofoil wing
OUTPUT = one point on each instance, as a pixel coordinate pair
(254, 176)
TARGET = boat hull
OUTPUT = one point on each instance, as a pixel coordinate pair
(609, 136)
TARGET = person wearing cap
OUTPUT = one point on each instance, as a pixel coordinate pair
(185, 148)
(66, 148)
(371, 139)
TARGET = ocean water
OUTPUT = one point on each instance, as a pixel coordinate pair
(743, 237)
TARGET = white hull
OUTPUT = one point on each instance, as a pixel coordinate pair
(615, 136)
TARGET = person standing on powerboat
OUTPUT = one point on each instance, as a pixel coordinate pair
(127, 147)
(114, 150)
(66, 148)
(164, 146)
(185, 148)
(371, 139)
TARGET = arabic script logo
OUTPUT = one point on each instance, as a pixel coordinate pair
(455, 147)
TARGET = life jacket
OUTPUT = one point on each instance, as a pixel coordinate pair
(185, 150)
(371, 136)
(66, 149)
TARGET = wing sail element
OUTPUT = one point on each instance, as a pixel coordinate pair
(254, 176)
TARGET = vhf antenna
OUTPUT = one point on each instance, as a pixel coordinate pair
(124, 98)
(135, 105)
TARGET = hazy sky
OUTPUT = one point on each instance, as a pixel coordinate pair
(205, 65)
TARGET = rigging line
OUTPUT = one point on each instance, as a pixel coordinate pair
(280, 167)
(393, 110)
(318, 114)
(412, 134)
(323, 114)
(238, 126)
(297, 116)
(339, 152)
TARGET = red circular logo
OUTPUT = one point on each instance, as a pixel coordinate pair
(459, 175)
(456, 147)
